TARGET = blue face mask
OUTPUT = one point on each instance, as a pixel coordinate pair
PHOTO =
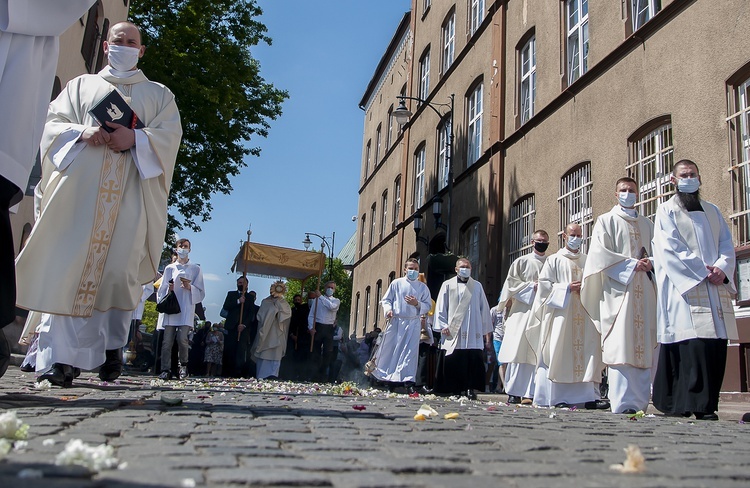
(688, 185)
(574, 242)
(464, 272)
(412, 274)
(329, 292)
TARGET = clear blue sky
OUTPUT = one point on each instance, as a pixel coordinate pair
(324, 53)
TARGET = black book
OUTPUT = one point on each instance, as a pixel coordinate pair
(113, 108)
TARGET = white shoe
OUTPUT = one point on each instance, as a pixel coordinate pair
(183, 372)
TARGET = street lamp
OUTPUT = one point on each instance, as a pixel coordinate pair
(402, 116)
(324, 244)
(418, 229)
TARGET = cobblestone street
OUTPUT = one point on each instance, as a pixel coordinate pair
(234, 434)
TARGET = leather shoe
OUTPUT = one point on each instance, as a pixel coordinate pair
(112, 367)
(629, 411)
(470, 394)
(706, 416)
(527, 401)
(513, 399)
(59, 375)
(410, 390)
(562, 405)
(597, 405)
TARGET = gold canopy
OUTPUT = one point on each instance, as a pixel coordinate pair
(277, 262)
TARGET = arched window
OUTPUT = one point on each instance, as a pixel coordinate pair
(378, 296)
(521, 224)
(474, 126)
(651, 163)
(470, 244)
(738, 122)
(92, 35)
(575, 201)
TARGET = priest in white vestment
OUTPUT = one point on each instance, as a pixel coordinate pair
(694, 261)
(619, 294)
(518, 350)
(462, 316)
(405, 301)
(570, 357)
(29, 45)
(269, 345)
(102, 212)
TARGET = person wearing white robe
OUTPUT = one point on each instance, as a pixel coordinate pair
(518, 350)
(694, 260)
(270, 343)
(570, 357)
(185, 279)
(462, 316)
(29, 46)
(405, 301)
(619, 294)
(102, 207)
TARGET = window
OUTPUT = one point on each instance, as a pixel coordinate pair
(377, 145)
(384, 219)
(470, 246)
(379, 296)
(367, 310)
(362, 235)
(391, 277)
(739, 150)
(389, 134)
(577, 13)
(356, 312)
(652, 159)
(528, 79)
(449, 41)
(575, 202)
(397, 201)
(424, 75)
(641, 11)
(368, 151)
(443, 158)
(92, 36)
(425, 6)
(419, 158)
(476, 15)
(475, 125)
(373, 221)
(521, 224)
(100, 61)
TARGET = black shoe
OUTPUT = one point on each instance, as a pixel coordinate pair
(424, 390)
(706, 416)
(112, 367)
(410, 390)
(597, 405)
(59, 375)
(4, 353)
(514, 399)
(470, 394)
(629, 411)
(562, 405)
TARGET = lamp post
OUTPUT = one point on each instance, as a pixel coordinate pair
(324, 244)
(402, 116)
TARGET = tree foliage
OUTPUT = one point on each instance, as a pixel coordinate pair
(201, 50)
(343, 290)
(150, 316)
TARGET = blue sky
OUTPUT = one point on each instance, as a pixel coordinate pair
(324, 53)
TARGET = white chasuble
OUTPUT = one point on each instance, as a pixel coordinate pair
(270, 342)
(620, 301)
(569, 344)
(684, 244)
(519, 290)
(101, 225)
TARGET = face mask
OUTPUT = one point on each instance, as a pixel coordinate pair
(464, 272)
(183, 253)
(541, 247)
(122, 58)
(240, 288)
(626, 199)
(688, 185)
(310, 302)
(574, 242)
(412, 274)
(329, 292)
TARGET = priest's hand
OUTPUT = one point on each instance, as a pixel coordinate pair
(575, 286)
(389, 314)
(122, 138)
(411, 300)
(644, 265)
(715, 275)
(95, 136)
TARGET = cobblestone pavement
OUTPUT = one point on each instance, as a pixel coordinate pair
(231, 434)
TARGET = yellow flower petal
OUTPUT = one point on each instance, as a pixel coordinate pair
(451, 416)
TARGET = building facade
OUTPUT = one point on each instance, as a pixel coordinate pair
(552, 102)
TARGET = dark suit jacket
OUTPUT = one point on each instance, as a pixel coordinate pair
(249, 313)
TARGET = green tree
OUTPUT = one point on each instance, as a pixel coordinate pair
(200, 49)
(343, 290)
(150, 316)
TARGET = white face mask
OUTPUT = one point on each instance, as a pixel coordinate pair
(574, 242)
(464, 272)
(183, 253)
(688, 185)
(329, 292)
(122, 58)
(626, 199)
(412, 274)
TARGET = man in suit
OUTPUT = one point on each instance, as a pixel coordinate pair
(240, 333)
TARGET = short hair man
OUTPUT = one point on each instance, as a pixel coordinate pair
(516, 350)
(103, 202)
(321, 323)
(462, 316)
(241, 329)
(694, 261)
(619, 294)
(570, 357)
(404, 302)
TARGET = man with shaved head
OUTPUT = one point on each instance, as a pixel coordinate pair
(102, 205)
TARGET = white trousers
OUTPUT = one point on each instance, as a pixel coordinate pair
(81, 342)
(629, 387)
(548, 393)
(519, 380)
(266, 367)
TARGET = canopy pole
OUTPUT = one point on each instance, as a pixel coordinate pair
(315, 308)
